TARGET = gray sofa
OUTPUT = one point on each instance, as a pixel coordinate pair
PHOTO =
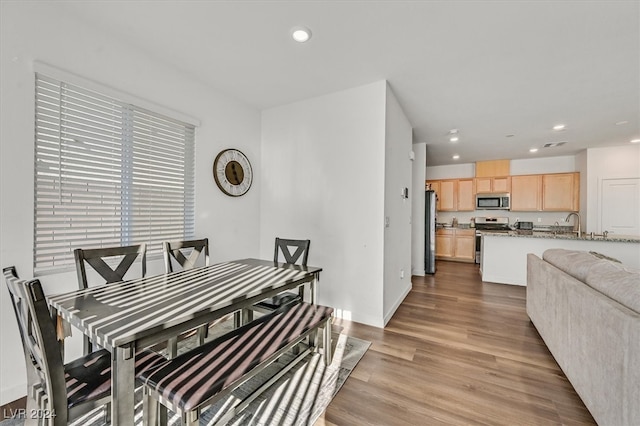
(586, 307)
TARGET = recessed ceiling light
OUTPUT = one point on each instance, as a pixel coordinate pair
(455, 157)
(533, 150)
(301, 34)
(454, 139)
(635, 140)
(453, 135)
(559, 127)
(620, 123)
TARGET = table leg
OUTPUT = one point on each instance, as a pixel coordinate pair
(122, 385)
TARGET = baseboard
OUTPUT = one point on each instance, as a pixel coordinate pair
(396, 305)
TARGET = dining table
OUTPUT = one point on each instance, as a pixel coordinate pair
(127, 316)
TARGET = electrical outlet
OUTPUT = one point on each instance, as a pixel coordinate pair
(561, 220)
(539, 219)
(401, 273)
(387, 221)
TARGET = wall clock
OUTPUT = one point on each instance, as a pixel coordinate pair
(232, 172)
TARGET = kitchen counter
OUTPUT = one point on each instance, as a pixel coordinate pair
(504, 255)
(565, 236)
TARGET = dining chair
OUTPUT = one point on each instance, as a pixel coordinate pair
(292, 251)
(186, 255)
(67, 391)
(101, 260)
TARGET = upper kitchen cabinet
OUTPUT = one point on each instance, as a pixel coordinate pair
(448, 195)
(560, 192)
(550, 192)
(454, 194)
(466, 197)
(435, 186)
(525, 193)
(493, 168)
(493, 184)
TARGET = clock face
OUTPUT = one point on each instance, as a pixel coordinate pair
(232, 172)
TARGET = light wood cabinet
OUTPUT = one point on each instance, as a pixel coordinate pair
(456, 244)
(448, 195)
(560, 192)
(435, 186)
(493, 184)
(493, 168)
(466, 199)
(444, 243)
(526, 193)
(549, 192)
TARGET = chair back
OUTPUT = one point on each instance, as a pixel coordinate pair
(45, 368)
(96, 259)
(186, 253)
(285, 246)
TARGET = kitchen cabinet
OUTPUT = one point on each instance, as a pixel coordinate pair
(493, 168)
(493, 184)
(466, 197)
(435, 186)
(560, 192)
(444, 243)
(454, 194)
(526, 193)
(448, 195)
(456, 244)
(549, 192)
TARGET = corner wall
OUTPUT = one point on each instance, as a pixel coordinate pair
(397, 236)
(323, 179)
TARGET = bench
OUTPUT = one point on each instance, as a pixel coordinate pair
(212, 371)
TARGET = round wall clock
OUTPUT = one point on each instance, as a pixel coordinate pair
(232, 172)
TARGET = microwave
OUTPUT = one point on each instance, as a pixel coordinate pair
(493, 202)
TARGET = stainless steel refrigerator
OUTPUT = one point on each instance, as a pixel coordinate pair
(430, 232)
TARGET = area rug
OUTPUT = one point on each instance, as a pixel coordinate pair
(297, 399)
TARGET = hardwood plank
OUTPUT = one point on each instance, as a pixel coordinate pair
(457, 351)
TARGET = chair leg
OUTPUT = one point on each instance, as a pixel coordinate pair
(88, 346)
(172, 347)
(202, 334)
(149, 409)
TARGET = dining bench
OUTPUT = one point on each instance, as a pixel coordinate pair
(210, 372)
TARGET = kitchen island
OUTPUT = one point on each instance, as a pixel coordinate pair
(504, 255)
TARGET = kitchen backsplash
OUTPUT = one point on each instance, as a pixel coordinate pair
(538, 218)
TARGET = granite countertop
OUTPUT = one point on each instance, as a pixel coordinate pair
(565, 236)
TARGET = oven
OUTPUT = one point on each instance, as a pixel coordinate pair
(488, 224)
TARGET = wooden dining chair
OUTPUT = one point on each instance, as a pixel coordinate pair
(67, 390)
(185, 253)
(101, 260)
(293, 252)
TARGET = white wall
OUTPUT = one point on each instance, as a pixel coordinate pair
(397, 237)
(607, 163)
(39, 31)
(323, 179)
(417, 209)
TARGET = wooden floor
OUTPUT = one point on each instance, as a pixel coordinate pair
(457, 351)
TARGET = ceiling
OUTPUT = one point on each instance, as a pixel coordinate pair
(502, 73)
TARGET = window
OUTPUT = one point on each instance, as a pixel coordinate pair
(107, 173)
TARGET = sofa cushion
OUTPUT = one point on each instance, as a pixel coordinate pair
(620, 283)
(573, 262)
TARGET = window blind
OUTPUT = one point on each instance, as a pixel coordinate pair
(107, 173)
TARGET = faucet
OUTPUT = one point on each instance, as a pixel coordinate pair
(577, 215)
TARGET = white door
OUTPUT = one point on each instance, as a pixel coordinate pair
(620, 206)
